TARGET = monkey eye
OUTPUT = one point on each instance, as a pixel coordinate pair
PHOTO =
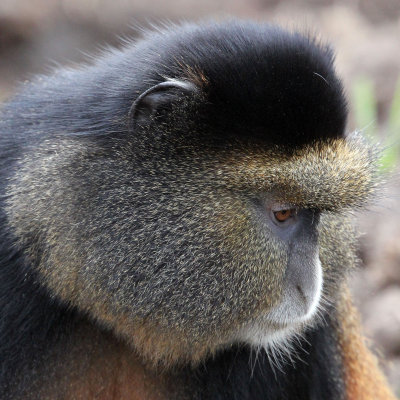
(284, 215)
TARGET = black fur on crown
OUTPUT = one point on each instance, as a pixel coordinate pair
(258, 80)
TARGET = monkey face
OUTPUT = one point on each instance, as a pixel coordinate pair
(301, 285)
(169, 226)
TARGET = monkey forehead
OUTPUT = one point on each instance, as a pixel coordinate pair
(257, 79)
(328, 175)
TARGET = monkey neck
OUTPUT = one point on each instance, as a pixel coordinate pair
(92, 364)
(89, 363)
(85, 362)
(82, 362)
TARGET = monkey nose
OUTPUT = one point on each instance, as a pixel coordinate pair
(301, 292)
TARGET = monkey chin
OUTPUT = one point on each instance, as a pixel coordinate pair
(275, 330)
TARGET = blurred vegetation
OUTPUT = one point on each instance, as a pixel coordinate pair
(366, 118)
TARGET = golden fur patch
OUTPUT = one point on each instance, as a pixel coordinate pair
(363, 379)
(327, 175)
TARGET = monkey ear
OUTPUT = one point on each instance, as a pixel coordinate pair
(157, 101)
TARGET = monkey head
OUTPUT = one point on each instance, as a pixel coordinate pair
(192, 190)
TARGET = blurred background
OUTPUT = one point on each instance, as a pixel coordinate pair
(36, 35)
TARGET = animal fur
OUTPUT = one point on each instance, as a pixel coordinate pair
(133, 254)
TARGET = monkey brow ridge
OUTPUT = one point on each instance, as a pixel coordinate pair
(327, 175)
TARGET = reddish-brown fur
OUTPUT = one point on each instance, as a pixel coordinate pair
(363, 379)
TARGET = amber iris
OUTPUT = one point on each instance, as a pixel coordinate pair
(283, 215)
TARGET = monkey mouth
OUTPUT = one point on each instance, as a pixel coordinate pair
(266, 333)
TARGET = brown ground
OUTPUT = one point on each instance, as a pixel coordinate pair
(36, 35)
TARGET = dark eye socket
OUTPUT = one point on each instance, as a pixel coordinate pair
(284, 215)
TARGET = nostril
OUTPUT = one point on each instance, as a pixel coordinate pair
(302, 295)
